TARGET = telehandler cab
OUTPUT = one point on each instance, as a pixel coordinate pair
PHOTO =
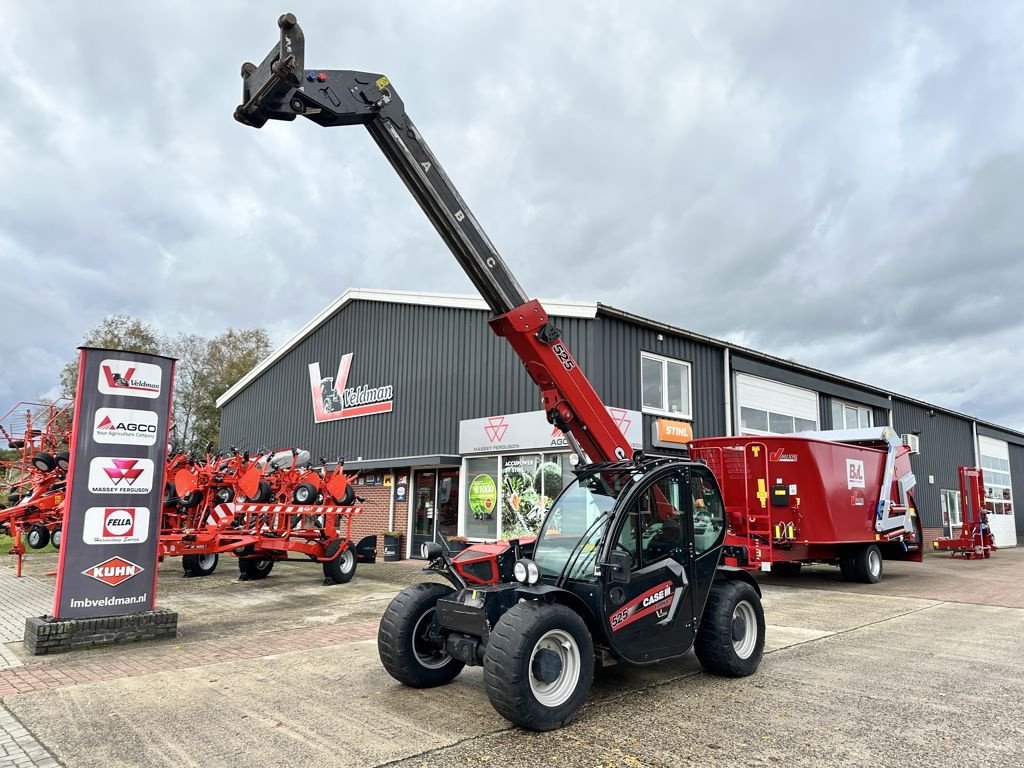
(626, 566)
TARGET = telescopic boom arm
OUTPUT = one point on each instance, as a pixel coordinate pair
(281, 88)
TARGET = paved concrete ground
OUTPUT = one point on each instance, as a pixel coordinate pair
(926, 668)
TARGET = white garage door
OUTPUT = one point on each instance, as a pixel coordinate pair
(995, 465)
(767, 406)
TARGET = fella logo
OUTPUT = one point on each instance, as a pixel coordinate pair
(116, 525)
(333, 399)
(124, 426)
(112, 474)
(113, 571)
(121, 377)
(854, 473)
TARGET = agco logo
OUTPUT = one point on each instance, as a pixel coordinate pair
(113, 474)
(124, 426)
(113, 571)
(116, 525)
(120, 377)
(495, 429)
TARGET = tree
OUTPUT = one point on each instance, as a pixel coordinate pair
(191, 351)
(229, 357)
(115, 332)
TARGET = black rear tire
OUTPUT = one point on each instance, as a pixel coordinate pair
(867, 564)
(725, 645)
(404, 648)
(38, 537)
(254, 568)
(199, 565)
(343, 567)
(539, 665)
(44, 462)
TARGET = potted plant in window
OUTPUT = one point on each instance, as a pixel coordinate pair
(392, 546)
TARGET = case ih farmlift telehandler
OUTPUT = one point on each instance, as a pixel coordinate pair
(614, 574)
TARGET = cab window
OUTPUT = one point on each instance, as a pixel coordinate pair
(708, 511)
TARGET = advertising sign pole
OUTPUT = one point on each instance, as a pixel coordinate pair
(112, 509)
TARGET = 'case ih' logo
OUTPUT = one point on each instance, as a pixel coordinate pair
(496, 427)
(333, 400)
(120, 377)
(113, 571)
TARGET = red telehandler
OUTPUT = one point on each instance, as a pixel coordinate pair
(615, 573)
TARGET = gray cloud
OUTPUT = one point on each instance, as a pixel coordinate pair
(830, 182)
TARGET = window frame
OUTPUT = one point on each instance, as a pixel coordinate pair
(663, 360)
(843, 405)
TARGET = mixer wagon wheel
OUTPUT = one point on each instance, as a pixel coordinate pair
(867, 564)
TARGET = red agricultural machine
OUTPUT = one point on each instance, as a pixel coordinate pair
(34, 481)
(260, 509)
(975, 541)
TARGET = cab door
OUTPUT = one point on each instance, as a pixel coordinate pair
(651, 617)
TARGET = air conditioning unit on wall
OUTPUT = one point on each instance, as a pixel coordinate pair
(913, 442)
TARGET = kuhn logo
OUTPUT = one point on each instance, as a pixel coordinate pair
(113, 571)
(495, 429)
(333, 399)
(113, 474)
(780, 455)
(121, 377)
(124, 426)
(116, 525)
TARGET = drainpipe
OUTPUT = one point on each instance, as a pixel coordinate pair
(890, 412)
(391, 502)
(728, 393)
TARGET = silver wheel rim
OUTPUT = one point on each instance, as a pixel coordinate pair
(302, 495)
(264, 565)
(55, 538)
(34, 538)
(558, 691)
(744, 646)
(430, 658)
(874, 563)
(348, 561)
(206, 562)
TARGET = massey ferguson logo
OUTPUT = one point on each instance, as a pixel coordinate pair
(333, 399)
(112, 474)
(124, 426)
(116, 525)
(495, 429)
(120, 377)
(113, 571)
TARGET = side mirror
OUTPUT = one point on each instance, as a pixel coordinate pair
(620, 563)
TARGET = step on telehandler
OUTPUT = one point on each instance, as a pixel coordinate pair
(616, 573)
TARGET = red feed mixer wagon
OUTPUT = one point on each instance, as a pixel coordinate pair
(842, 497)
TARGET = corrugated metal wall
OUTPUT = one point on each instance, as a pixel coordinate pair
(445, 365)
(616, 373)
(1017, 478)
(947, 443)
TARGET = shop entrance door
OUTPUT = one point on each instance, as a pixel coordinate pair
(424, 504)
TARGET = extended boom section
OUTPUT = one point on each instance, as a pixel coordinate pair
(283, 88)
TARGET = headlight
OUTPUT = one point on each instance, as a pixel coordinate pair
(532, 572)
(519, 571)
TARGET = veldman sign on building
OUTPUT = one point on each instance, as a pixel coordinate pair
(108, 556)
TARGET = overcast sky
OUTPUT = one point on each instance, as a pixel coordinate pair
(839, 183)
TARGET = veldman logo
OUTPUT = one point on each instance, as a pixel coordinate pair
(113, 571)
(116, 525)
(121, 377)
(125, 426)
(112, 474)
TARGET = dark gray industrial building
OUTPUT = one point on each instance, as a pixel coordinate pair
(438, 414)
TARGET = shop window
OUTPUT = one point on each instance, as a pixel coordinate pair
(850, 415)
(482, 498)
(666, 386)
(754, 421)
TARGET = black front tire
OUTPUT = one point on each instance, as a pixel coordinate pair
(38, 537)
(199, 565)
(342, 568)
(402, 643)
(725, 644)
(539, 665)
